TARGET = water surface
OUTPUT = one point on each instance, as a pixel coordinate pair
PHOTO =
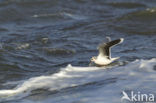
(39, 39)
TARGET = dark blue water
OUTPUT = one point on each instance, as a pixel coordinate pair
(40, 37)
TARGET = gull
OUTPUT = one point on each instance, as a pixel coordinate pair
(104, 56)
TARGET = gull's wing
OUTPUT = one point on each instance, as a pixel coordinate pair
(104, 48)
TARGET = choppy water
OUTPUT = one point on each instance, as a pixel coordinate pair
(39, 39)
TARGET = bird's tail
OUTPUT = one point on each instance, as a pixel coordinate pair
(113, 59)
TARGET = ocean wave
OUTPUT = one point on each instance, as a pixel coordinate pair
(135, 22)
(19, 10)
(61, 15)
(58, 51)
(126, 5)
(11, 14)
(76, 76)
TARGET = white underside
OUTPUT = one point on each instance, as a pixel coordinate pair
(104, 60)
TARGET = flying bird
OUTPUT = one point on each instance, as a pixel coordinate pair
(104, 56)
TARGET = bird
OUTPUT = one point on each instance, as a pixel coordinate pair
(104, 56)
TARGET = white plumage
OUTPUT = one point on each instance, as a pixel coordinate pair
(104, 56)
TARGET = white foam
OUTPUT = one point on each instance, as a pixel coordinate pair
(152, 10)
(67, 77)
(63, 14)
(75, 76)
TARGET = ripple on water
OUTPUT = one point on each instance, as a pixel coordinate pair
(126, 5)
(58, 51)
(23, 46)
(60, 16)
(3, 29)
(139, 22)
(11, 14)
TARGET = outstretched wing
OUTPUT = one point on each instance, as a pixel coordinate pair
(104, 48)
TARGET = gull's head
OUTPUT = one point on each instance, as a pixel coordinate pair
(93, 59)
